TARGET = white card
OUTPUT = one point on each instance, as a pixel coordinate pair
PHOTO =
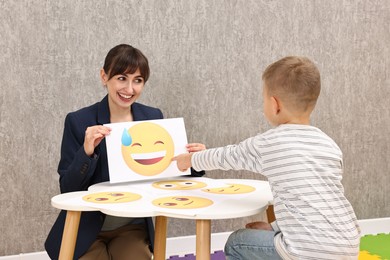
(143, 150)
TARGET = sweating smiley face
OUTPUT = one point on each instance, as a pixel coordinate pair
(111, 197)
(231, 189)
(147, 148)
(179, 185)
(182, 202)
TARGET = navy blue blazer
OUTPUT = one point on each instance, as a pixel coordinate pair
(78, 171)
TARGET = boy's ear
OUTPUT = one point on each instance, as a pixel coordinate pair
(276, 106)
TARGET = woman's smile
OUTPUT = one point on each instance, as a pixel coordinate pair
(125, 97)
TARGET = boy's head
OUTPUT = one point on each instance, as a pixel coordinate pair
(293, 85)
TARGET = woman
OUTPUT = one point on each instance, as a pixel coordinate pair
(84, 162)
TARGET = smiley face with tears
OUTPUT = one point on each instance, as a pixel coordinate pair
(147, 148)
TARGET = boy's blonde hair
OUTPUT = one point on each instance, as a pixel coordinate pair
(294, 80)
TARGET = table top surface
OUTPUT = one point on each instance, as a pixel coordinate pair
(179, 197)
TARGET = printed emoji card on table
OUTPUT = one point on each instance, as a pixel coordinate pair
(143, 150)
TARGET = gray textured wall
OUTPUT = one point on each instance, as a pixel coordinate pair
(206, 59)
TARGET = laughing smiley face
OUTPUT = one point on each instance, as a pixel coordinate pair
(147, 148)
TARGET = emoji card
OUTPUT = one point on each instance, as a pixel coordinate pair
(143, 150)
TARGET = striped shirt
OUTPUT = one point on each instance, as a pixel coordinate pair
(304, 168)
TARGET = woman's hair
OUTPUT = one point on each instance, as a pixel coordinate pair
(125, 59)
(296, 80)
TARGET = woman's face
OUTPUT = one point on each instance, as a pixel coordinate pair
(123, 89)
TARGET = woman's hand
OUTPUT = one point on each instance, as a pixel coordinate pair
(93, 136)
(195, 147)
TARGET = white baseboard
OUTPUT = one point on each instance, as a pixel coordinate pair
(374, 226)
(186, 245)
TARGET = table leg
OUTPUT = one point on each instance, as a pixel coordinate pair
(270, 213)
(203, 239)
(160, 238)
(70, 235)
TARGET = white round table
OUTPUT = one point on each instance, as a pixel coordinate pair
(231, 205)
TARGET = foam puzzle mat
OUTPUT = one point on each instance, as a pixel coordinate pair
(375, 247)
(217, 255)
(372, 247)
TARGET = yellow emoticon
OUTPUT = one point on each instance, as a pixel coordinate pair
(111, 197)
(179, 185)
(147, 148)
(231, 189)
(182, 202)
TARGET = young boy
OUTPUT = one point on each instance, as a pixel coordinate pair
(304, 168)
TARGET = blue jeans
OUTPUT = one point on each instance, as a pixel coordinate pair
(251, 244)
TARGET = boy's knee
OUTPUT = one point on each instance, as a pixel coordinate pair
(229, 241)
(229, 246)
(234, 238)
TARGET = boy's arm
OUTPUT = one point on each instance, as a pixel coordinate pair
(183, 161)
(243, 156)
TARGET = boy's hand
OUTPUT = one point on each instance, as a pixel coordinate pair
(195, 147)
(259, 225)
(183, 161)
